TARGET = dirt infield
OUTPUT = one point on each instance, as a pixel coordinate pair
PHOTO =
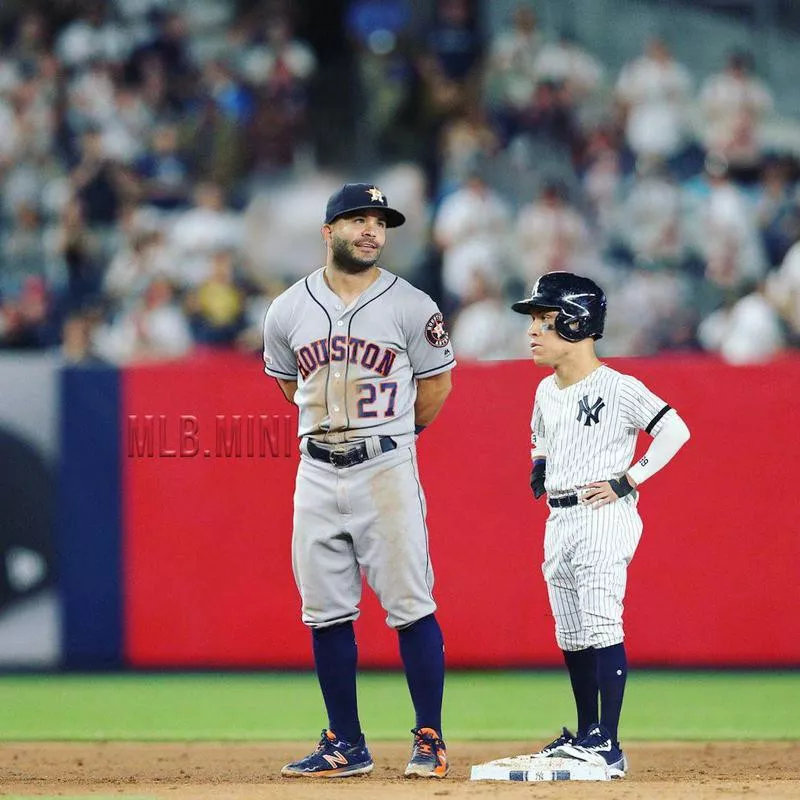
(235, 771)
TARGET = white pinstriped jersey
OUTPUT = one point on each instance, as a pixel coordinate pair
(356, 367)
(588, 431)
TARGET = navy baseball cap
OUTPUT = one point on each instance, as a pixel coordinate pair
(359, 197)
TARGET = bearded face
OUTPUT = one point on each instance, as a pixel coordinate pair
(357, 241)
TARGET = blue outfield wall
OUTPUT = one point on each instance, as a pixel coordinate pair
(88, 527)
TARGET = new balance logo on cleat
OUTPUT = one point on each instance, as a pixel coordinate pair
(428, 755)
(333, 758)
(597, 748)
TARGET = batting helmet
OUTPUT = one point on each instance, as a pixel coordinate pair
(580, 302)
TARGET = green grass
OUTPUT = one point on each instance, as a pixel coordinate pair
(478, 705)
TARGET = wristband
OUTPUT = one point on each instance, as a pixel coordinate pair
(621, 486)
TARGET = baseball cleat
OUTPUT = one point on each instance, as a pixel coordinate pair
(333, 758)
(597, 748)
(556, 745)
(428, 755)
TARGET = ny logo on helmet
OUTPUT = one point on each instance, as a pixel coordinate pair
(592, 413)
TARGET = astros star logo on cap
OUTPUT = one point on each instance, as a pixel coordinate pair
(376, 195)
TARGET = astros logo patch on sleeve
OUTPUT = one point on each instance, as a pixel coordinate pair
(435, 331)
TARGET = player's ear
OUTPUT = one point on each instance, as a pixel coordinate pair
(326, 233)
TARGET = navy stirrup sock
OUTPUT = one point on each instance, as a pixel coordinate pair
(336, 659)
(612, 672)
(582, 668)
(422, 651)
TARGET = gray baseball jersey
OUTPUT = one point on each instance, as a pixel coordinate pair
(588, 432)
(356, 366)
(356, 369)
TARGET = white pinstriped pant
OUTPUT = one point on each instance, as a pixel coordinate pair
(586, 557)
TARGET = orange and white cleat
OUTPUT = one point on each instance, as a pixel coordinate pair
(428, 755)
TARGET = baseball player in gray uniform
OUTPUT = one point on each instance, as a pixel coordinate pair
(366, 358)
(586, 418)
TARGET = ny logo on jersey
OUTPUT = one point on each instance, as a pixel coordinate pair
(592, 413)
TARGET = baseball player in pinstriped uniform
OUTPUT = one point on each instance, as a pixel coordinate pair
(586, 418)
(366, 358)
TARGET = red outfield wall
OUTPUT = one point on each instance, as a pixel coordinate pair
(206, 547)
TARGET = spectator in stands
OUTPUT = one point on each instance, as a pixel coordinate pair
(734, 103)
(99, 184)
(22, 250)
(155, 328)
(281, 71)
(217, 307)
(280, 59)
(485, 329)
(198, 233)
(550, 118)
(33, 119)
(11, 143)
(654, 91)
(464, 141)
(80, 251)
(379, 31)
(126, 133)
(77, 345)
(29, 42)
(566, 64)
(550, 233)
(601, 181)
(450, 63)
(164, 172)
(777, 211)
(471, 229)
(722, 230)
(134, 266)
(649, 224)
(91, 97)
(646, 307)
(783, 289)
(26, 321)
(93, 35)
(511, 74)
(164, 65)
(747, 331)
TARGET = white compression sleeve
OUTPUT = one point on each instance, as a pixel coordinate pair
(672, 436)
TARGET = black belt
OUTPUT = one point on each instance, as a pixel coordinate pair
(566, 501)
(347, 455)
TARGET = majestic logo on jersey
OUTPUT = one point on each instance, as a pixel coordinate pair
(435, 331)
(591, 413)
(369, 355)
(375, 194)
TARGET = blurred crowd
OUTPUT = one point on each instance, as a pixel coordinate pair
(162, 177)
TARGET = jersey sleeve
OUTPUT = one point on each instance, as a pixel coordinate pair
(429, 348)
(279, 359)
(641, 408)
(538, 449)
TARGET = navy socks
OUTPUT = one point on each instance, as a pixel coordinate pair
(582, 666)
(612, 671)
(336, 659)
(422, 651)
(600, 671)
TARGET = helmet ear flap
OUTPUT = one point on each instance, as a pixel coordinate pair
(569, 328)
